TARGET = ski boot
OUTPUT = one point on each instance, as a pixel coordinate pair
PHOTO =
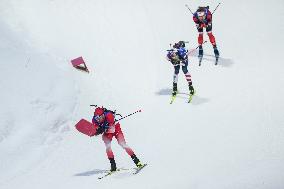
(191, 92)
(174, 89)
(191, 89)
(216, 52)
(136, 161)
(112, 164)
(200, 54)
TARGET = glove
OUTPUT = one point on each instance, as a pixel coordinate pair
(100, 130)
(175, 62)
(197, 26)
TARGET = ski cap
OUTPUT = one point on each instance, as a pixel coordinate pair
(98, 111)
(179, 44)
(176, 46)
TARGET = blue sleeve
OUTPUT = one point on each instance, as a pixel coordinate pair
(182, 53)
(169, 55)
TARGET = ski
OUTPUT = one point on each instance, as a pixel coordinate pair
(137, 170)
(200, 54)
(190, 98)
(109, 173)
(173, 98)
(200, 59)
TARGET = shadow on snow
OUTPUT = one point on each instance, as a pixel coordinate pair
(196, 100)
(225, 62)
(93, 172)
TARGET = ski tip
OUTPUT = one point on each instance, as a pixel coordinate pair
(139, 169)
(216, 62)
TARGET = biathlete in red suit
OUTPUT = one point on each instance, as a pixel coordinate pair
(203, 19)
(105, 120)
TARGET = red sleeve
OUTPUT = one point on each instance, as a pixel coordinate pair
(209, 16)
(195, 20)
(110, 118)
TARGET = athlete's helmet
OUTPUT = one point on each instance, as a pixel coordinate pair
(176, 45)
(181, 43)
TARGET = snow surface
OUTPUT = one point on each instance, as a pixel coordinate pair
(231, 136)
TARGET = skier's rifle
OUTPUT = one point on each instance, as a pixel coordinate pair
(170, 50)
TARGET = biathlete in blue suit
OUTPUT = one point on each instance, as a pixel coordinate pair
(179, 58)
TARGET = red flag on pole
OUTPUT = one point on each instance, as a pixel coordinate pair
(80, 64)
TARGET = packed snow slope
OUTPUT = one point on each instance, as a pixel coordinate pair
(230, 136)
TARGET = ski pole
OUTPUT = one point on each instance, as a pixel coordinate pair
(128, 115)
(189, 8)
(216, 8)
(195, 48)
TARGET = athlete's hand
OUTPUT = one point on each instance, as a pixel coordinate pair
(100, 130)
